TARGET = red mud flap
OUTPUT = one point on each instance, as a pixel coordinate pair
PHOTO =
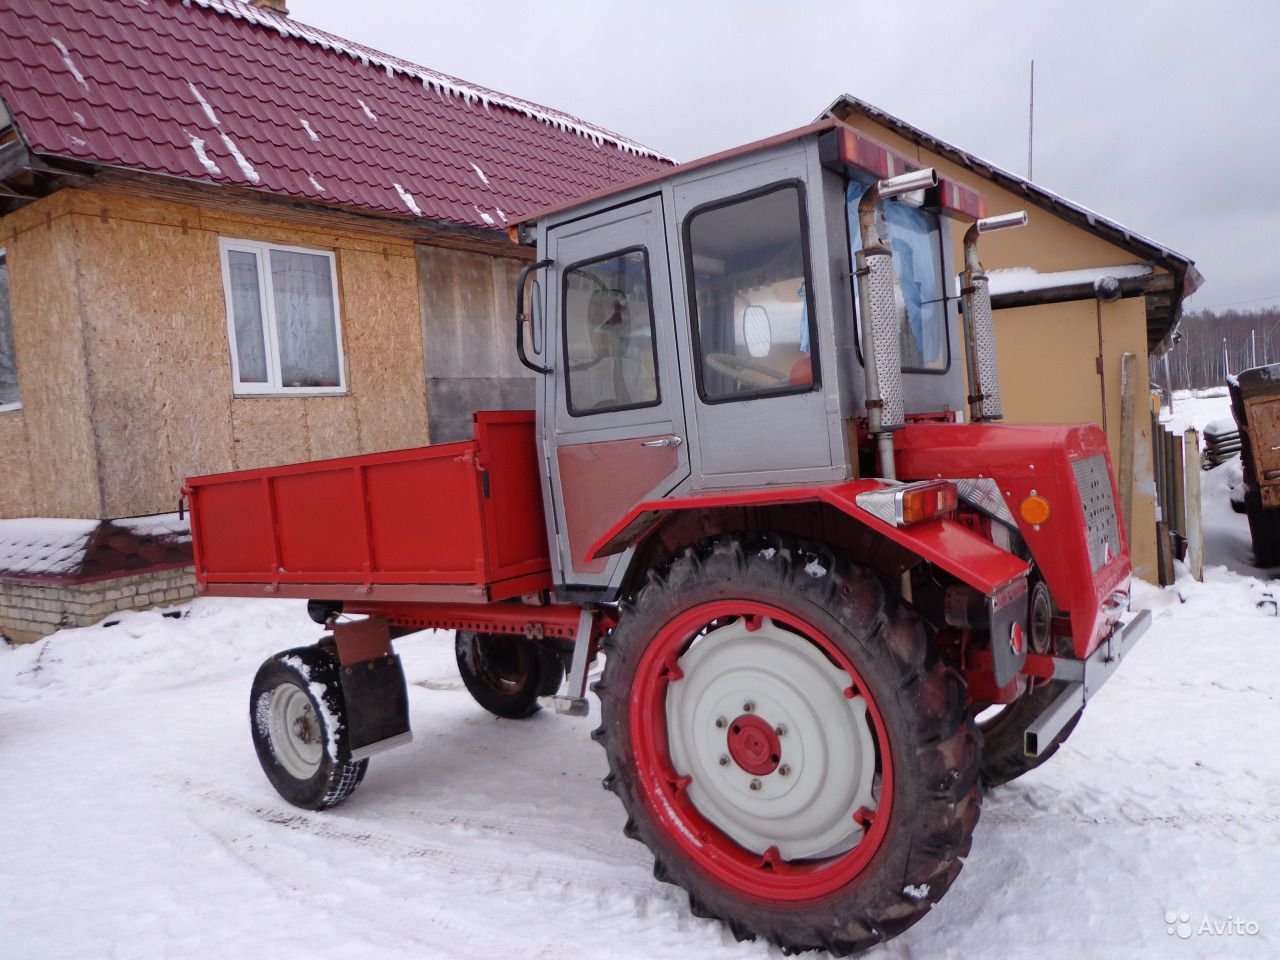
(1084, 678)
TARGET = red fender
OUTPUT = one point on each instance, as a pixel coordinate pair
(945, 543)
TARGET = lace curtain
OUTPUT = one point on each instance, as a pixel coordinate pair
(302, 288)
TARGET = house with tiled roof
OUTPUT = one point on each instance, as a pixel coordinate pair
(229, 240)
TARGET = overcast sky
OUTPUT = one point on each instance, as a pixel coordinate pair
(1163, 116)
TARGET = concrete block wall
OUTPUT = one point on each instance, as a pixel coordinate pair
(31, 610)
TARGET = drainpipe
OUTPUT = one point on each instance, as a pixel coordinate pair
(881, 316)
(979, 327)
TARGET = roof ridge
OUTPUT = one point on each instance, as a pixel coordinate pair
(441, 83)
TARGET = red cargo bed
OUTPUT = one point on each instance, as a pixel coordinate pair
(456, 522)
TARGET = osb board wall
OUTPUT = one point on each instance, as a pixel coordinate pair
(15, 467)
(61, 478)
(158, 357)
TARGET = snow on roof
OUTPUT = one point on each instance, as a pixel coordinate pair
(440, 82)
(43, 546)
(1027, 279)
(160, 525)
(224, 92)
(53, 547)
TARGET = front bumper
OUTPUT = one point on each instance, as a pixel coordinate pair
(1083, 679)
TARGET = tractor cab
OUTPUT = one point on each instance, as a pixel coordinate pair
(709, 330)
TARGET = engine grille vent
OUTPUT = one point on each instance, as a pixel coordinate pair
(1093, 482)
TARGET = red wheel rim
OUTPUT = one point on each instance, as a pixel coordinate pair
(763, 875)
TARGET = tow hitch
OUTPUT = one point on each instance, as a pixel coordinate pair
(1084, 678)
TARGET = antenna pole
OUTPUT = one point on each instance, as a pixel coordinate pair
(1031, 120)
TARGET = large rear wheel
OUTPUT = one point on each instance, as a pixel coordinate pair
(788, 746)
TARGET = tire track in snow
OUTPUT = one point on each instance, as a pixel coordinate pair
(264, 865)
(567, 872)
(603, 840)
(1126, 808)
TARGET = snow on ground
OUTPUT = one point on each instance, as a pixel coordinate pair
(136, 822)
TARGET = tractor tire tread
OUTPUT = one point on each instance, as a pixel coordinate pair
(947, 744)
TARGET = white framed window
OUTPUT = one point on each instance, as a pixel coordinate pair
(10, 399)
(282, 318)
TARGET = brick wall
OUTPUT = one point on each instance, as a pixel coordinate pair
(31, 610)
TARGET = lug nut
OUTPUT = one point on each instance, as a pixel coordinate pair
(721, 723)
(780, 729)
(755, 784)
(784, 770)
(749, 706)
(724, 759)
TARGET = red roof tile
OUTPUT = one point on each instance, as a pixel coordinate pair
(220, 91)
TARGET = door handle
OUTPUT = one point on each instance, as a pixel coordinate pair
(672, 441)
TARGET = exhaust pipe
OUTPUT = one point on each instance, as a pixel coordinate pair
(881, 317)
(979, 326)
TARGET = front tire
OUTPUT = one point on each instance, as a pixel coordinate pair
(787, 744)
(297, 716)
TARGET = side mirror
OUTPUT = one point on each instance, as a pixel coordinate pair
(521, 319)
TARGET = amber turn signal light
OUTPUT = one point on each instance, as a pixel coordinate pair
(925, 501)
(1034, 509)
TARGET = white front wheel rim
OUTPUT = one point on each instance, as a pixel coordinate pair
(297, 737)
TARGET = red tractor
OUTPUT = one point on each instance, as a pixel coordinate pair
(833, 602)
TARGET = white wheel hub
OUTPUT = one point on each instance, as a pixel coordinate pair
(814, 762)
(297, 737)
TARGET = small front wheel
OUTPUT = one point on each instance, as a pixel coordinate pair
(297, 716)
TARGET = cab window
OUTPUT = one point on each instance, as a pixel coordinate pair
(915, 236)
(749, 299)
(608, 334)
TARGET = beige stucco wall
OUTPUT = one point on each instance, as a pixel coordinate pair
(124, 360)
(1048, 354)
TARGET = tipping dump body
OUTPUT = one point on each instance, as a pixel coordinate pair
(456, 522)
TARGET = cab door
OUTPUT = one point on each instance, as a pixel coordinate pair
(761, 395)
(616, 419)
